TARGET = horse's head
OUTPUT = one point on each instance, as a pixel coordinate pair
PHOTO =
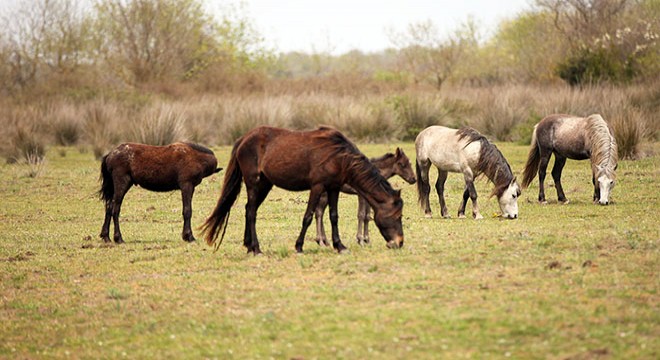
(402, 167)
(605, 181)
(508, 200)
(388, 219)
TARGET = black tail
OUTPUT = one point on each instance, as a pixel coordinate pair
(422, 186)
(230, 190)
(532, 165)
(107, 191)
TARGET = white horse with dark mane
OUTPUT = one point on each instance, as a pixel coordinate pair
(468, 152)
(576, 138)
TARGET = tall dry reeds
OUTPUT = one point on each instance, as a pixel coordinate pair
(504, 113)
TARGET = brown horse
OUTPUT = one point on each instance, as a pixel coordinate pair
(321, 161)
(156, 168)
(571, 137)
(388, 165)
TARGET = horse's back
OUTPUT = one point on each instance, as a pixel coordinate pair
(443, 148)
(162, 168)
(565, 135)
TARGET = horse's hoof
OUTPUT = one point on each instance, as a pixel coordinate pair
(119, 241)
(189, 239)
(446, 216)
(564, 202)
(343, 251)
(543, 202)
(461, 216)
(478, 217)
(428, 215)
(106, 239)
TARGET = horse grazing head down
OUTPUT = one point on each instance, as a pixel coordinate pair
(508, 200)
(388, 220)
(604, 182)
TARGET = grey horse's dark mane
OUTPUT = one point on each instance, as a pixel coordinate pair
(491, 162)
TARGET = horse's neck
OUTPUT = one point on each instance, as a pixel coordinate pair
(363, 185)
(385, 167)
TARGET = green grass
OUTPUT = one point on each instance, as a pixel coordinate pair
(563, 281)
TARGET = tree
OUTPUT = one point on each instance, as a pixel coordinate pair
(44, 37)
(428, 55)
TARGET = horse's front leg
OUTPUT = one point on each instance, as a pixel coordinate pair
(596, 189)
(473, 196)
(321, 239)
(187, 192)
(362, 235)
(333, 199)
(314, 195)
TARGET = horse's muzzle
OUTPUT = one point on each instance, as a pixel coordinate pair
(396, 243)
(603, 202)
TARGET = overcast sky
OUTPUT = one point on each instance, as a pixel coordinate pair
(342, 25)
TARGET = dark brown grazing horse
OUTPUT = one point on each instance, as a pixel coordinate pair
(388, 165)
(320, 160)
(156, 168)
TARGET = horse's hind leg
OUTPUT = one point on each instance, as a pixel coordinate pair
(440, 189)
(424, 187)
(121, 188)
(105, 229)
(543, 166)
(362, 235)
(560, 161)
(256, 195)
(187, 192)
(318, 216)
(314, 195)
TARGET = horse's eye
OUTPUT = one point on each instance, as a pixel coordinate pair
(514, 196)
(612, 182)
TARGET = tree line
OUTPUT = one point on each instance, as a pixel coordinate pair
(83, 48)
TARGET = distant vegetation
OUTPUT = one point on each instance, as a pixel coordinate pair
(92, 74)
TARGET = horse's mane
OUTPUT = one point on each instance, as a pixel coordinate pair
(491, 161)
(604, 151)
(338, 146)
(200, 148)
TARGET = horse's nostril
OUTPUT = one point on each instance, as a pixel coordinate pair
(515, 216)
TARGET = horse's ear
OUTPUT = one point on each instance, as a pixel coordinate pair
(398, 192)
(399, 152)
(515, 178)
(218, 170)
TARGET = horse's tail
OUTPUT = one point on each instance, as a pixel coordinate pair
(107, 191)
(422, 182)
(533, 159)
(230, 190)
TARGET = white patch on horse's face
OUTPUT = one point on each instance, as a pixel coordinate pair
(509, 201)
(605, 185)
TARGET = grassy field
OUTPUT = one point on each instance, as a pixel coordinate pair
(574, 281)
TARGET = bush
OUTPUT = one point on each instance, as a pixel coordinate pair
(161, 125)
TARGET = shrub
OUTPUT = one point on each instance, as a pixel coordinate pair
(101, 126)
(628, 126)
(414, 114)
(160, 125)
